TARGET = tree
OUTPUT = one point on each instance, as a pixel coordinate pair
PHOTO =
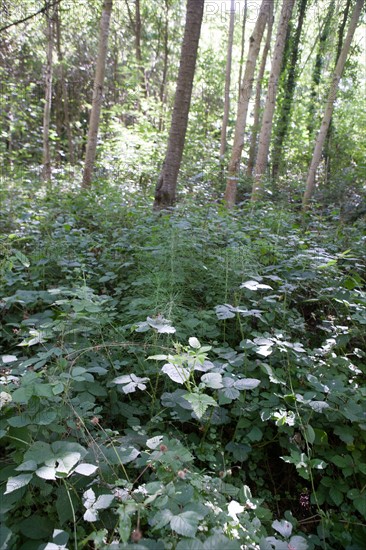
(242, 47)
(266, 129)
(165, 193)
(289, 90)
(243, 104)
(64, 94)
(97, 94)
(310, 182)
(46, 170)
(227, 79)
(258, 93)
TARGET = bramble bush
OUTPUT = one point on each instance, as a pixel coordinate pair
(191, 380)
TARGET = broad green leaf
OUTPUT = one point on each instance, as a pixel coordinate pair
(254, 285)
(17, 482)
(212, 380)
(336, 496)
(86, 469)
(153, 442)
(310, 434)
(189, 544)
(246, 383)
(46, 472)
(185, 524)
(283, 527)
(124, 526)
(176, 373)
(200, 402)
(360, 504)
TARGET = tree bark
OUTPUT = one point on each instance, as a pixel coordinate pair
(165, 193)
(46, 170)
(310, 182)
(140, 66)
(258, 93)
(290, 85)
(227, 80)
(266, 130)
(162, 94)
(65, 98)
(241, 61)
(97, 101)
(319, 61)
(243, 104)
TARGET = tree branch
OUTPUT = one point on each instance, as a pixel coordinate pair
(46, 7)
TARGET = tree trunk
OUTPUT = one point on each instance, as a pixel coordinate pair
(258, 93)
(290, 85)
(266, 130)
(241, 61)
(165, 193)
(162, 94)
(310, 182)
(227, 80)
(65, 98)
(97, 101)
(46, 171)
(328, 139)
(243, 104)
(319, 61)
(140, 66)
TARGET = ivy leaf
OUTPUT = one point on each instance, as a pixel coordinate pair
(17, 482)
(185, 524)
(200, 402)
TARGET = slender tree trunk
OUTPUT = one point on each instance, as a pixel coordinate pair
(162, 94)
(46, 171)
(65, 98)
(165, 193)
(290, 85)
(227, 80)
(328, 140)
(140, 66)
(241, 62)
(317, 71)
(258, 93)
(266, 130)
(243, 104)
(97, 101)
(310, 182)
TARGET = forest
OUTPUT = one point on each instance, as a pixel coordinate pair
(183, 275)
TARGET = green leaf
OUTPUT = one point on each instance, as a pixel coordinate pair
(200, 402)
(310, 434)
(176, 373)
(124, 526)
(189, 545)
(360, 504)
(336, 496)
(17, 482)
(212, 380)
(283, 527)
(153, 442)
(246, 383)
(86, 469)
(185, 524)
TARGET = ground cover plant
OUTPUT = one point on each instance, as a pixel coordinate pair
(183, 380)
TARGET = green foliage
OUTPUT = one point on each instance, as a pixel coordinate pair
(185, 381)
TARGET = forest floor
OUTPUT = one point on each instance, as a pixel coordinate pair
(184, 380)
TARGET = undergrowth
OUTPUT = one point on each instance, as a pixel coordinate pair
(187, 380)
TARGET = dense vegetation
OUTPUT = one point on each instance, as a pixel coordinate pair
(200, 372)
(189, 376)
